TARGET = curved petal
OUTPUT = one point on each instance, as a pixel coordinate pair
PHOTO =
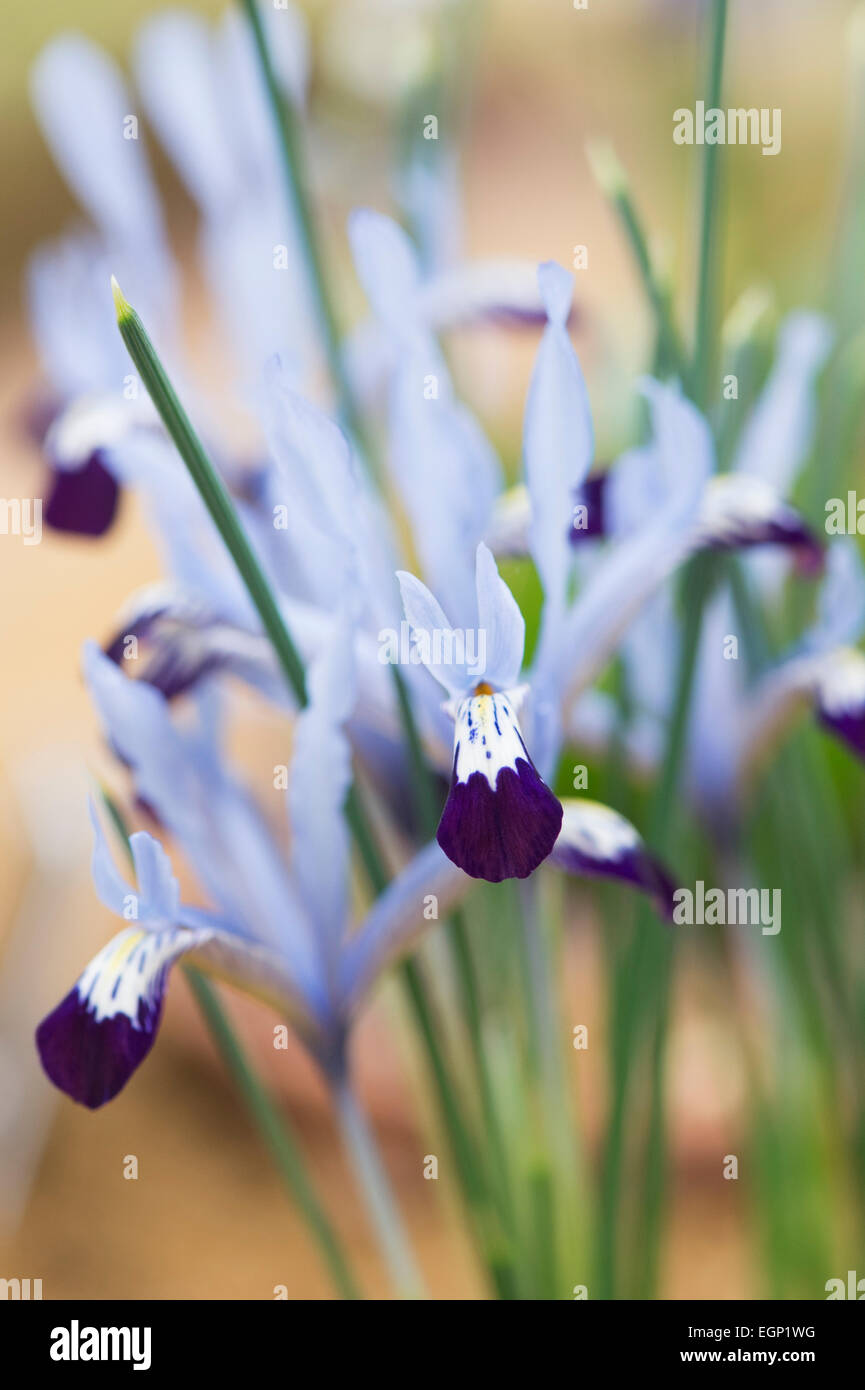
(173, 642)
(315, 482)
(841, 698)
(654, 500)
(94, 424)
(442, 465)
(597, 842)
(387, 268)
(502, 291)
(155, 899)
(840, 600)
(558, 438)
(682, 447)
(739, 511)
(157, 885)
(445, 470)
(421, 894)
(82, 106)
(832, 681)
(779, 431)
(105, 1026)
(69, 302)
(175, 72)
(239, 79)
(627, 575)
(182, 777)
(111, 887)
(717, 713)
(824, 669)
(501, 623)
(320, 777)
(181, 642)
(437, 643)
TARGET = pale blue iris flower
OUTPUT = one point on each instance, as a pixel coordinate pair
(733, 723)
(281, 925)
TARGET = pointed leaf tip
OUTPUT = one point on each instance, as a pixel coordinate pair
(606, 167)
(122, 307)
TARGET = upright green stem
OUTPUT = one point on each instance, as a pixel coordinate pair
(703, 574)
(699, 580)
(275, 1130)
(461, 952)
(670, 353)
(213, 491)
(545, 1060)
(290, 137)
(705, 338)
(470, 1170)
(376, 1192)
(700, 576)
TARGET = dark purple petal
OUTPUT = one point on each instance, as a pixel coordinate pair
(504, 833)
(788, 530)
(739, 511)
(171, 668)
(169, 627)
(598, 842)
(512, 316)
(82, 500)
(636, 867)
(848, 725)
(590, 495)
(92, 1060)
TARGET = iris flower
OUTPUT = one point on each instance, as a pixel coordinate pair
(734, 722)
(283, 929)
(500, 819)
(744, 508)
(280, 928)
(332, 516)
